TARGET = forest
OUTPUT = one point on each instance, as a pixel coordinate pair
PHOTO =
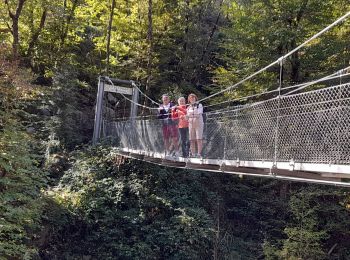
(62, 198)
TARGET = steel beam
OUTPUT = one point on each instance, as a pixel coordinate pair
(98, 112)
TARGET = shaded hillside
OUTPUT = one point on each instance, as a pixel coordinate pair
(116, 208)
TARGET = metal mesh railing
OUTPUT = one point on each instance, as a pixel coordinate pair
(311, 127)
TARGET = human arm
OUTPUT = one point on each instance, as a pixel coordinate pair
(160, 113)
(194, 111)
(174, 113)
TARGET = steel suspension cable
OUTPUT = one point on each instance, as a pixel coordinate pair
(339, 74)
(249, 77)
(281, 58)
(326, 78)
(133, 102)
(142, 93)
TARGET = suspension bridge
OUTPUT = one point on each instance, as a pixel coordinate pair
(299, 133)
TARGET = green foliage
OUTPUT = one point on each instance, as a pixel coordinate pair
(317, 216)
(318, 227)
(120, 208)
(101, 210)
(260, 32)
(21, 179)
(126, 212)
(73, 122)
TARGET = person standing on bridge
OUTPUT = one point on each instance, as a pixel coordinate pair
(169, 128)
(179, 113)
(196, 125)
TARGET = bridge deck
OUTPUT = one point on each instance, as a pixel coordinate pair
(313, 173)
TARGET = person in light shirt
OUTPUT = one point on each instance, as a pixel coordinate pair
(196, 125)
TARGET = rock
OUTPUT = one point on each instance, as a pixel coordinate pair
(30, 130)
(45, 112)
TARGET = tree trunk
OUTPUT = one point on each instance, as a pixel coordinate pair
(63, 25)
(295, 72)
(15, 34)
(187, 19)
(150, 48)
(67, 22)
(284, 189)
(36, 33)
(128, 11)
(206, 46)
(183, 62)
(14, 29)
(295, 60)
(109, 32)
(211, 35)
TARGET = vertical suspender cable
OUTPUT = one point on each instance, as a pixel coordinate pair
(278, 113)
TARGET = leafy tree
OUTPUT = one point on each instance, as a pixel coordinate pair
(126, 212)
(108, 207)
(317, 216)
(21, 178)
(262, 31)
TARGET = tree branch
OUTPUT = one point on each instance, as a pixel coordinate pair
(68, 21)
(301, 11)
(9, 9)
(215, 26)
(36, 33)
(19, 8)
(109, 35)
(9, 27)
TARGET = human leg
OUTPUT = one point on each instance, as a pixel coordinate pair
(200, 146)
(175, 139)
(166, 138)
(184, 141)
(193, 147)
(187, 148)
(199, 137)
(192, 134)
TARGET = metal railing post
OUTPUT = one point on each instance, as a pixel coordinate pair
(98, 112)
(278, 116)
(135, 99)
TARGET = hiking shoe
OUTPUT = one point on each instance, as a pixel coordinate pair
(198, 155)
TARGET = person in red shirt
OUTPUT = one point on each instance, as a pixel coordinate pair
(179, 112)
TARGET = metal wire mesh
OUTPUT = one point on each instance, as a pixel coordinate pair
(310, 127)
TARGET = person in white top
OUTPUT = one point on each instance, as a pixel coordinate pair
(196, 125)
(169, 126)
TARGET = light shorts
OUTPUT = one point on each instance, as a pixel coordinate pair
(196, 129)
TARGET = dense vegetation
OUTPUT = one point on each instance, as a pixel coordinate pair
(109, 207)
(61, 199)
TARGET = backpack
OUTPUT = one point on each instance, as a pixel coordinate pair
(204, 115)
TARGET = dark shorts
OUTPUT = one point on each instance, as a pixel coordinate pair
(170, 131)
